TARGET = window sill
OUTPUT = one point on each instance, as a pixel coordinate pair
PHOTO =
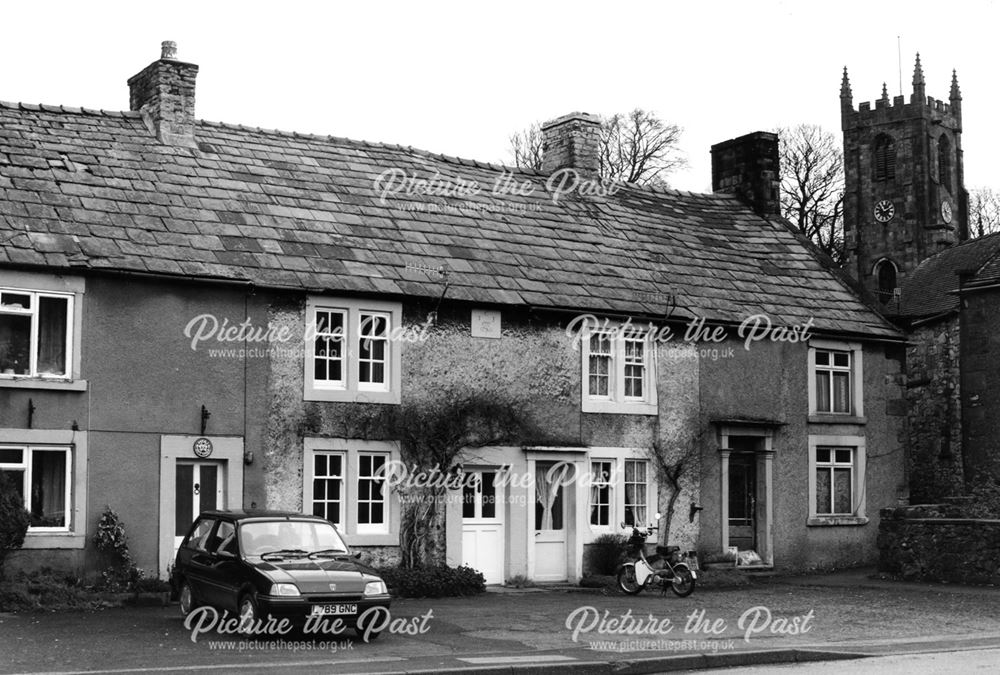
(618, 408)
(39, 383)
(383, 539)
(351, 396)
(836, 521)
(47, 540)
(830, 418)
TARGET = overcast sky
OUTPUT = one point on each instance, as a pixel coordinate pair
(459, 77)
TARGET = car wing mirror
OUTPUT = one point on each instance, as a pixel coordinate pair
(356, 555)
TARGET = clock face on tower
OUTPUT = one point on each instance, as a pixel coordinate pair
(884, 211)
(946, 211)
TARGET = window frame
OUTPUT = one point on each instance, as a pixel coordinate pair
(349, 388)
(858, 516)
(49, 285)
(856, 388)
(609, 484)
(352, 532)
(616, 401)
(372, 528)
(339, 478)
(25, 466)
(645, 493)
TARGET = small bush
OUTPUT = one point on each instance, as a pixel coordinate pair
(120, 573)
(433, 582)
(519, 581)
(607, 552)
(13, 520)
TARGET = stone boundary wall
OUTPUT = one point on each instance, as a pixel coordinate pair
(929, 543)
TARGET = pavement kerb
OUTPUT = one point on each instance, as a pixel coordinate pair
(656, 664)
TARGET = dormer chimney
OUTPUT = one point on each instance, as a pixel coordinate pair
(572, 141)
(164, 93)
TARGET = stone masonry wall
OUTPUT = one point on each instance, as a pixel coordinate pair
(923, 543)
(934, 409)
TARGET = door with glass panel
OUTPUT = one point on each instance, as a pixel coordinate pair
(482, 525)
(550, 520)
(200, 486)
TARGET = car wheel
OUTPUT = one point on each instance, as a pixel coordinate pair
(249, 616)
(187, 599)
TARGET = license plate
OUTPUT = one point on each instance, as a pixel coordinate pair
(343, 608)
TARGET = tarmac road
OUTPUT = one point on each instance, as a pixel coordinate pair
(781, 620)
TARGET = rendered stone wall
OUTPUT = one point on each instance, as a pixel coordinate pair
(924, 543)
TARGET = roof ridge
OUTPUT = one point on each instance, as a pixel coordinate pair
(453, 159)
(70, 110)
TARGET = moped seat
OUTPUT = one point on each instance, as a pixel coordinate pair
(667, 550)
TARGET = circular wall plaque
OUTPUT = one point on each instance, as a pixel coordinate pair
(202, 447)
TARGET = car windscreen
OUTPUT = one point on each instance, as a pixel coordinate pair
(260, 537)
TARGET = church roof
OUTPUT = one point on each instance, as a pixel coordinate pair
(932, 288)
(84, 190)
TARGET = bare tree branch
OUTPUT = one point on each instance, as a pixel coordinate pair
(812, 186)
(636, 147)
(984, 212)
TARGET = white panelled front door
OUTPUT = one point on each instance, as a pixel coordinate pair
(550, 522)
(482, 525)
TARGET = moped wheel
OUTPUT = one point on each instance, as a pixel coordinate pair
(627, 581)
(683, 582)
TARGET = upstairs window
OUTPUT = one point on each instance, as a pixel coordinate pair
(350, 353)
(885, 157)
(35, 334)
(618, 373)
(835, 380)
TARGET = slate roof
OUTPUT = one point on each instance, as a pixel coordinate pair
(931, 288)
(94, 190)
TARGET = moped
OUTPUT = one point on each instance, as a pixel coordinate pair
(638, 574)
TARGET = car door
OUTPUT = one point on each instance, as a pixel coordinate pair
(222, 568)
(192, 557)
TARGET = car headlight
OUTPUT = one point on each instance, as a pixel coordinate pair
(285, 589)
(375, 588)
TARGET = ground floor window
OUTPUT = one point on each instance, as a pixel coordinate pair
(836, 479)
(41, 477)
(328, 486)
(344, 481)
(601, 476)
(636, 489)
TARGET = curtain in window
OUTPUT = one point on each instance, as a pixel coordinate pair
(635, 493)
(52, 336)
(48, 488)
(548, 497)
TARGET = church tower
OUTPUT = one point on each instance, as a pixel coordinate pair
(905, 195)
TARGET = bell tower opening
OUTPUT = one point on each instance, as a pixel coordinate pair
(905, 196)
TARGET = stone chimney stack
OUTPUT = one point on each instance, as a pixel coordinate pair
(748, 167)
(164, 93)
(572, 141)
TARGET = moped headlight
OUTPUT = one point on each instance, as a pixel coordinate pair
(287, 590)
(375, 588)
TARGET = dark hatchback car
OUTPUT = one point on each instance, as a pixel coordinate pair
(261, 564)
